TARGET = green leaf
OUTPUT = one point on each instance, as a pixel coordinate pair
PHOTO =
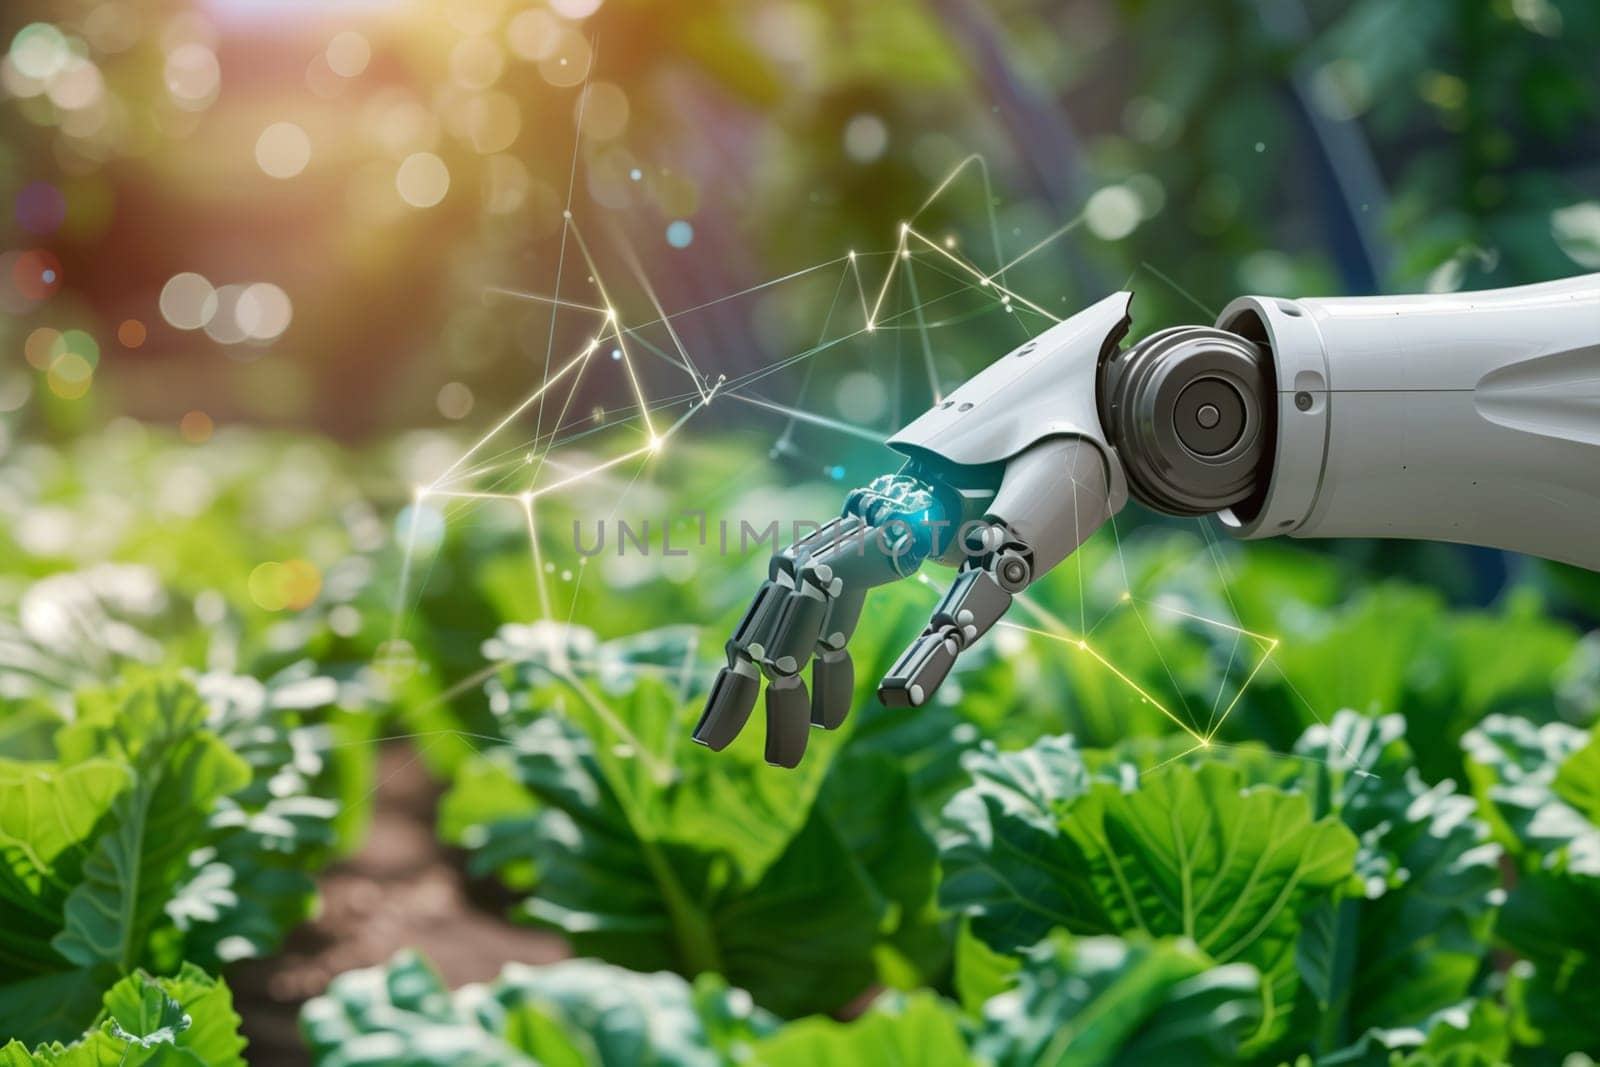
(898, 1030)
(1577, 779)
(1193, 854)
(868, 800)
(141, 1013)
(1470, 1034)
(27, 729)
(1412, 941)
(53, 1007)
(252, 882)
(573, 1012)
(186, 1020)
(1552, 913)
(180, 772)
(1513, 765)
(1552, 920)
(656, 854)
(1006, 864)
(980, 971)
(1094, 1001)
(48, 816)
(1188, 853)
(211, 1035)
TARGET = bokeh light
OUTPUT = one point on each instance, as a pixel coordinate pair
(866, 137)
(1112, 213)
(567, 64)
(283, 150)
(680, 234)
(224, 326)
(533, 34)
(862, 397)
(188, 301)
(422, 180)
(264, 311)
(36, 274)
(70, 376)
(575, 9)
(288, 586)
(419, 526)
(194, 76)
(112, 27)
(195, 427)
(40, 347)
(39, 51)
(348, 54)
(131, 334)
(454, 400)
(77, 86)
(79, 343)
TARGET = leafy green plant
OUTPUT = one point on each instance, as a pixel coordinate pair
(186, 1019)
(573, 1013)
(1102, 1000)
(163, 828)
(1413, 940)
(1190, 852)
(1088, 1001)
(1536, 783)
(657, 854)
(1364, 896)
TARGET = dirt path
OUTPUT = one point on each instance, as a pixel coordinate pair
(403, 889)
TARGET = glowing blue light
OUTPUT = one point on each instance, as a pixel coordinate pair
(636, 174)
(49, 277)
(836, 472)
(419, 528)
(679, 234)
(616, 353)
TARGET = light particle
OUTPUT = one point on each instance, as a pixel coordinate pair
(348, 54)
(1112, 213)
(188, 301)
(422, 180)
(283, 150)
(195, 427)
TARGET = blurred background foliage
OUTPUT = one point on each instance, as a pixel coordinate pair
(347, 178)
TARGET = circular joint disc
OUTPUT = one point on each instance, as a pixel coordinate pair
(1183, 408)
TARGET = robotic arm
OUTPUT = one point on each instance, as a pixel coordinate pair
(1468, 417)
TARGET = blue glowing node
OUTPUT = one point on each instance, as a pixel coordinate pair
(616, 353)
(419, 527)
(836, 472)
(636, 174)
(49, 276)
(679, 234)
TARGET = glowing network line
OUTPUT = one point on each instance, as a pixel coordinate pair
(940, 257)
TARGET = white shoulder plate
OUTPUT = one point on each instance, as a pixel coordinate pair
(1044, 388)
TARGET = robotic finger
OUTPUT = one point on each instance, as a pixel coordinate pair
(809, 604)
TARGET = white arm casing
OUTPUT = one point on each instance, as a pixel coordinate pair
(1467, 417)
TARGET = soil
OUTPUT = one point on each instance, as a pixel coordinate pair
(403, 889)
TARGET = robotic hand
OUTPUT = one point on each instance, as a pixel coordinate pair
(1468, 417)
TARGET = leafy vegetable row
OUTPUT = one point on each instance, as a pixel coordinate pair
(1333, 904)
(167, 820)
